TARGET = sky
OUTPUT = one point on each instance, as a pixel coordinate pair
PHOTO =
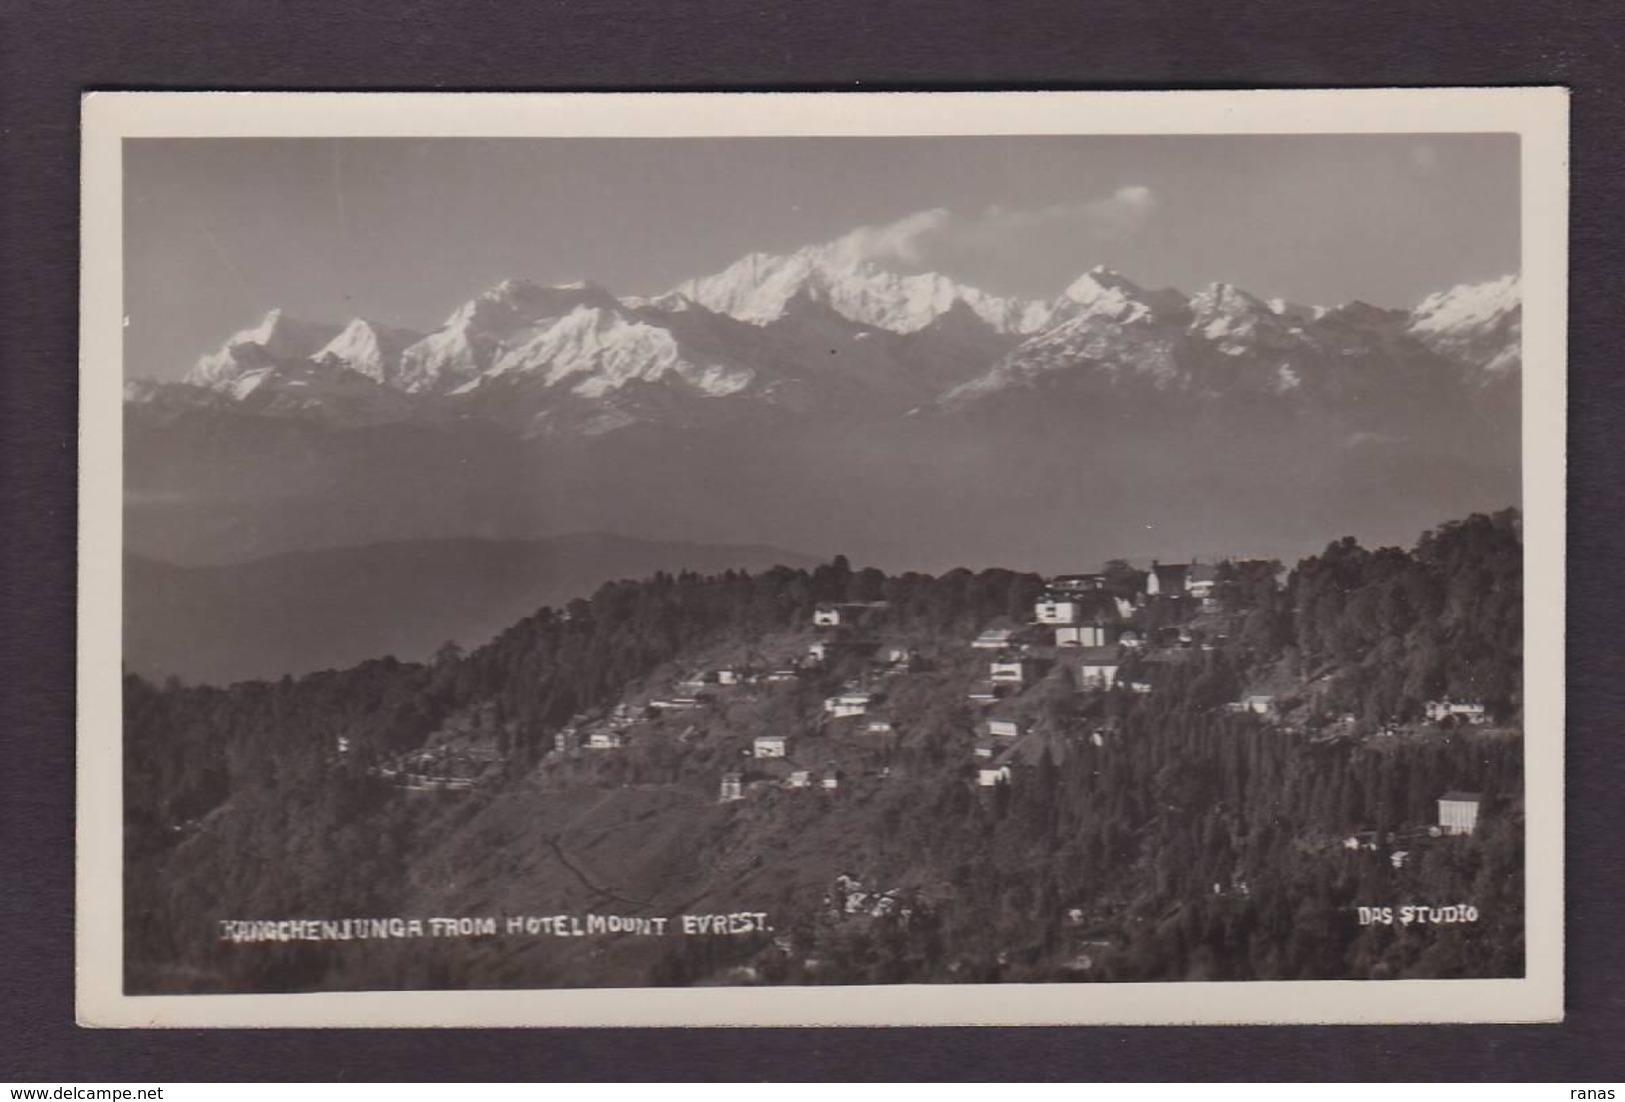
(402, 231)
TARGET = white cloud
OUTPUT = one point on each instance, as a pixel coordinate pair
(908, 241)
(896, 242)
(1116, 215)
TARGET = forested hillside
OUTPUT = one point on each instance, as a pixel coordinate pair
(1153, 830)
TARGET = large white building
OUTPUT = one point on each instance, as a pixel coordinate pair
(1458, 812)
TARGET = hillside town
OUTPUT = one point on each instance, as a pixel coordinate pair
(1053, 683)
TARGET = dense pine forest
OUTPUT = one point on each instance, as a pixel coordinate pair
(1152, 830)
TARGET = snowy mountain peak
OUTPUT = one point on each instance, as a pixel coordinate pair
(1103, 293)
(1294, 312)
(1101, 280)
(262, 332)
(1226, 299)
(758, 287)
(276, 339)
(1361, 313)
(670, 302)
(1481, 324)
(1468, 305)
(369, 349)
(277, 333)
(482, 329)
(1234, 320)
(517, 301)
(594, 351)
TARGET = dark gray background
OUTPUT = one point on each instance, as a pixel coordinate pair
(50, 52)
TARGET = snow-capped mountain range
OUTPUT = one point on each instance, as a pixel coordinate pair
(820, 401)
(823, 330)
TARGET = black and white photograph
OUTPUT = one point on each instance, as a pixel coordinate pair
(1046, 565)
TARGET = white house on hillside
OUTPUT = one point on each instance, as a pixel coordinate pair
(989, 775)
(826, 617)
(994, 639)
(848, 704)
(1057, 610)
(1098, 668)
(1008, 670)
(1003, 728)
(770, 746)
(1167, 579)
(1203, 579)
(1077, 583)
(1458, 812)
(985, 692)
(1083, 635)
(1438, 710)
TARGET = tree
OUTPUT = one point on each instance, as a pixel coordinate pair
(1123, 580)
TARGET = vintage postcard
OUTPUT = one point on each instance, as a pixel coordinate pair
(822, 559)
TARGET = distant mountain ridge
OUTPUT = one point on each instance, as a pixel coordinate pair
(332, 608)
